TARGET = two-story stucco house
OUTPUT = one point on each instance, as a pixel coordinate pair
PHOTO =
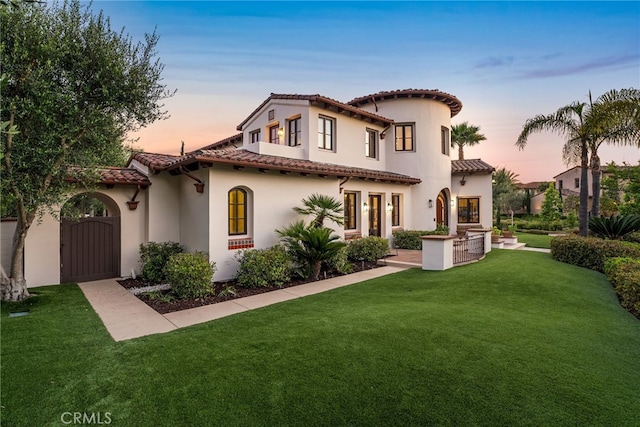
(386, 156)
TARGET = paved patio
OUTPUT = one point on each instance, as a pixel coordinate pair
(126, 317)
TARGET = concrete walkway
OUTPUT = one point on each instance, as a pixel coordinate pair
(126, 317)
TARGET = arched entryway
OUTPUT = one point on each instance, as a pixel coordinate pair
(442, 209)
(89, 238)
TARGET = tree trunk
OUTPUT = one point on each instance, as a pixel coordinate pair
(583, 212)
(14, 287)
(595, 175)
(315, 273)
(460, 152)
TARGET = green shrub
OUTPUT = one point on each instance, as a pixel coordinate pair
(410, 239)
(590, 252)
(190, 274)
(370, 248)
(340, 262)
(632, 237)
(624, 275)
(264, 267)
(153, 259)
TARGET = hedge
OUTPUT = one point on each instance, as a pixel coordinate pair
(624, 275)
(410, 239)
(591, 252)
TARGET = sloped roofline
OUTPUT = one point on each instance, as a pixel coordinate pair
(326, 103)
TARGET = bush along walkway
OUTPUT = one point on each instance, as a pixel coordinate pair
(127, 317)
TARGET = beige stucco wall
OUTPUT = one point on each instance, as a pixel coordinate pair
(271, 199)
(477, 185)
(194, 223)
(427, 161)
(42, 246)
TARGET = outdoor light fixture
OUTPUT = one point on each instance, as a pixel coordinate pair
(462, 181)
(430, 203)
(365, 207)
(453, 202)
(389, 207)
(281, 133)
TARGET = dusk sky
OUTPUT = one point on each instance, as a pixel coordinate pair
(506, 62)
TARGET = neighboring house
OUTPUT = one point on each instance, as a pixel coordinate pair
(535, 191)
(386, 156)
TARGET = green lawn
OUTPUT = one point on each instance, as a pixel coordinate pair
(535, 240)
(516, 339)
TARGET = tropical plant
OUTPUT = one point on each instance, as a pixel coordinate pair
(614, 227)
(321, 207)
(504, 192)
(74, 88)
(611, 118)
(311, 246)
(615, 115)
(463, 135)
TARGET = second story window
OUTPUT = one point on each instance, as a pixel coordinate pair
(445, 140)
(326, 132)
(273, 134)
(295, 132)
(255, 136)
(371, 144)
(577, 182)
(404, 137)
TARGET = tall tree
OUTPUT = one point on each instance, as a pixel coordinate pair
(504, 192)
(615, 121)
(74, 89)
(571, 122)
(463, 135)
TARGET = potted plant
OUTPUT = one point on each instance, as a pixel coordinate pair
(509, 232)
(495, 235)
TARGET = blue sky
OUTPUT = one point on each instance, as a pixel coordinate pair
(506, 62)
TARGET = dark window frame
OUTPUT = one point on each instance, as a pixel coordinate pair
(236, 224)
(326, 137)
(254, 136)
(407, 143)
(371, 147)
(294, 134)
(274, 137)
(395, 212)
(468, 216)
(350, 210)
(445, 140)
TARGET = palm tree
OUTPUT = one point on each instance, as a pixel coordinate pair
(321, 207)
(570, 121)
(616, 117)
(464, 134)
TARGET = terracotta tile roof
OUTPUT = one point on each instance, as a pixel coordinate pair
(154, 160)
(126, 176)
(470, 166)
(222, 143)
(454, 104)
(243, 158)
(110, 176)
(327, 103)
(531, 185)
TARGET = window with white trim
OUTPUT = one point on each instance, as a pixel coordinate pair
(404, 137)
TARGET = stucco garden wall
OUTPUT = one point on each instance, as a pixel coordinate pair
(42, 246)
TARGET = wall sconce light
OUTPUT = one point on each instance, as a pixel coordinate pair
(430, 203)
(281, 133)
(389, 207)
(365, 207)
(462, 181)
(453, 203)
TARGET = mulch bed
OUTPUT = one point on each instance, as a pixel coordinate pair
(164, 307)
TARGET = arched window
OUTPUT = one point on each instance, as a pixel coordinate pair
(237, 211)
